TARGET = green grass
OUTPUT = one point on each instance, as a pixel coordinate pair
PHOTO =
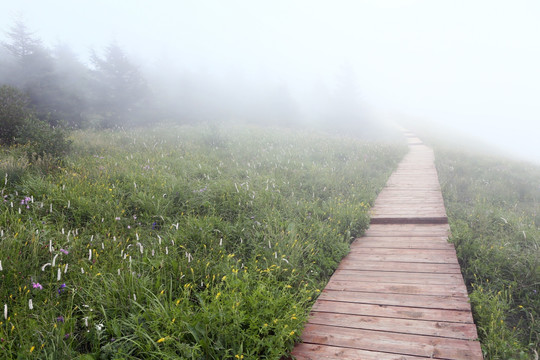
(182, 242)
(493, 207)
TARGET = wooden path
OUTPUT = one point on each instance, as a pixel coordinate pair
(399, 293)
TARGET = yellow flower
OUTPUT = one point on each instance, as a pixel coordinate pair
(218, 295)
(291, 333)
(161, 340)
(32, 348)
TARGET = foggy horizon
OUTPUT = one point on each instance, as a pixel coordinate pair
(468, 67)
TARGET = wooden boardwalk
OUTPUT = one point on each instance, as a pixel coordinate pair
(399, 293)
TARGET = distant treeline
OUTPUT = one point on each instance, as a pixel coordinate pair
(110, 89)
(61, 89)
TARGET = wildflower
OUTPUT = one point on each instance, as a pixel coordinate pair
(62, 287)
(60, 319)
(1, 265)
(32, 348)
(116, 218)
(5, 311)
(67, 336)
(30, 304)
(99, 327)
(65, 252)
(161, 340)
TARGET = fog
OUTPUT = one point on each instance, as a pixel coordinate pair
(469, 66)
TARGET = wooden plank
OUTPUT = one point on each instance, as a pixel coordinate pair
(391, 311)
(403, 243)
(304, 351)
(403, 300)
(360, 250)
(426, 256)
(393, 288)
(398, 219)
(397, 277)
(350, 262)
(407, 344)
(408, 230)
(405, 326)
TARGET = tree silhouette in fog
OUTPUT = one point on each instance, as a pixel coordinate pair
(119, 89)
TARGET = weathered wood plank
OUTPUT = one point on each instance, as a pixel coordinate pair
(403, 243)
(423, 257)
(395, 288)
(406, 326)
(408, 230)
(391, 311)
(324, 352)
(407, 344)
(351, 262)
(404, 300)
(304, 351)
(397, 277)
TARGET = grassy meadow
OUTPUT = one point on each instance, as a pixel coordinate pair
(181, 242)
(494, 210)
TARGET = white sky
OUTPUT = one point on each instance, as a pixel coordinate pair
(472, 65)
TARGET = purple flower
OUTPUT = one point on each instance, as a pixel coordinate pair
(61, 289)
(65, 252)
(60, 319)
(37, 286)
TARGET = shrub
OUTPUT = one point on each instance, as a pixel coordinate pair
(43, 140)
(14, 109)
(20, 125)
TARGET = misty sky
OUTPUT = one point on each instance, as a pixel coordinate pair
(471, 65)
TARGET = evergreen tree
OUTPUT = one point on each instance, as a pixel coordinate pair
(119, 90)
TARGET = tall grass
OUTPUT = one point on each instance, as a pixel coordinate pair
(183, 242)
(493, 206)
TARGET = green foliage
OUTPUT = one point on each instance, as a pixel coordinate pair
(492, 205)
(180, 243)
(43, 143)
(14, 111)
(43, 140)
